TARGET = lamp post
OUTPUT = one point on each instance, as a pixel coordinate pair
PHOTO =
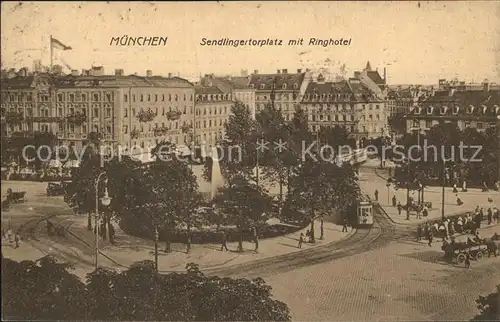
(156, 248)
(442, 191)
(105, 200)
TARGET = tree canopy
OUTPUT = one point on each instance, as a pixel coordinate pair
(45, 290)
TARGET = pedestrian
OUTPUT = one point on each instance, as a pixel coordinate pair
(419, 233)
(442, 230)
(112, 234)
(481, 213)
(425, 212)
(455, 190)
(255, 239)
(376, 195)
(467, 259)
(426, 230)
(224, 242)
(490, 216)
(301, 240)
(399, 208)
(16, 239)
(344, 226)
(394, 201)
(430, 237)
(3, 234)
(485, 187)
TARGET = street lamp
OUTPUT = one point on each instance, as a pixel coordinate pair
(105, 200)
(156, 248)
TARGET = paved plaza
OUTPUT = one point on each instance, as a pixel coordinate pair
(375, 179)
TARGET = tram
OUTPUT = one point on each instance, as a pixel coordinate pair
(364, 213)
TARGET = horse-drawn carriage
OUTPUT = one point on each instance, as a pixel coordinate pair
(16, 196)
(56, 189)
(457, 252)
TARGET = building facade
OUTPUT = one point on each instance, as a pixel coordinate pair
(478, 109)
(348, 103)
(125, 111)
(283, 89)
(213, 108)
(238, 87)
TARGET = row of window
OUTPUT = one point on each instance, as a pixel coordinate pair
(208, 110)
(44, 112)
(213, 97)
(274, 86)
(283, 97)
(479, 125)
(156, 110)
(336, 118)
(157, 97)
(83, 97)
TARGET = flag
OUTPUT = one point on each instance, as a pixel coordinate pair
(59, 45)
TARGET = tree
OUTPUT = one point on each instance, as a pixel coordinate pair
(488, 307)
(398, 123)
(42, 290)
(239, 147)
(45, 290)
(245, 205)
(321, 188)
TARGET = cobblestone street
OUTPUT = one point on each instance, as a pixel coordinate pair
(403, 281)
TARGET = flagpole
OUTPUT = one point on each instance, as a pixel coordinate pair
(51, 51)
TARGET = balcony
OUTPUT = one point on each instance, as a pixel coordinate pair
(173, 115)
(14, 118)
(45, 119)
(145, 116)
(76, 118)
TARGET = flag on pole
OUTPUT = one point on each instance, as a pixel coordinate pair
(59, 45)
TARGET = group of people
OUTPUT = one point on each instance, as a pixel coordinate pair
(469, 223)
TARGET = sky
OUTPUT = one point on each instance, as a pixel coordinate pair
(418, 42)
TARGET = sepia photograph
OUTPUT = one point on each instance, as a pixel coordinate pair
(250, 160)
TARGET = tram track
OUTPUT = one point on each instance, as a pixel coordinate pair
(363, 240)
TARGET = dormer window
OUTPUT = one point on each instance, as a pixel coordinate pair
(456, 109)
(284, 86)
(252, 86)
(443, 110)
(262, 86)
(485, 110)
(497, 110)
(295, 86)
(429, 110)
(470, 109)
(417, 110)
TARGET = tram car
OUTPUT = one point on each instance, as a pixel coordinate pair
(364, 213)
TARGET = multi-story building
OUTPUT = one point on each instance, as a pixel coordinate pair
(479, 109)
(445, 85)
(213, 108)
(348, 103)
(126, 111)
(401, 100)
(237, 86)
(282, 88)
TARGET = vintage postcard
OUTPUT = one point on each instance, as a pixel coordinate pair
(250, 161)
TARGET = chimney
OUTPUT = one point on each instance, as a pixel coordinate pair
(299, 71)
(169, 75)
(74, 72)
(149, 73)
(23, 72)
(285, 71)
(256, 71)
(279, 72)
(119, 72)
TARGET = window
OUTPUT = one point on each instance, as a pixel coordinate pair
(72, 128)
(416, 123)
(108, 129)
(60, 97)
(133, 97)
(96, 97)
(156, 97)
(108, 112)
(125, 129)
(96, 112)
(262, 86)
(149, 97)
(176, 97)
(125, 98)
(162, 97)
(44, 128)
(60, 111)
(109, 97)
(125, 112)
(133, 112)
(141, 98)
(377, 107)
(170, 97)
(184, 96)
(428, 124)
